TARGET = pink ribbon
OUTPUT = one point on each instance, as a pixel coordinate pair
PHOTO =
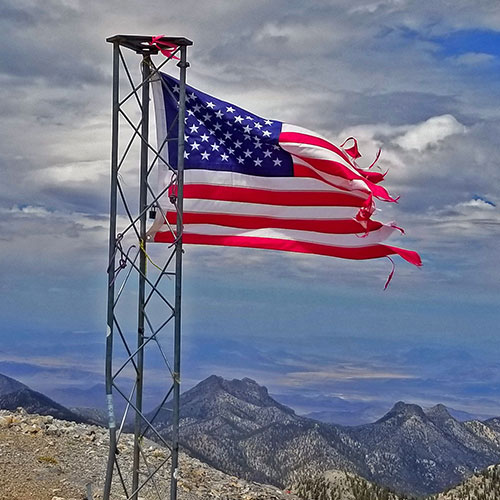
(157, 42)
(391, 273)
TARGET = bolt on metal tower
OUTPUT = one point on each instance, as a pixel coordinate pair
(143, 335)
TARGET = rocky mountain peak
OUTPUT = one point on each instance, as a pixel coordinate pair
(216, 397)
(245, 390)
(210, 383)
(248, 390)
(403, 411)
(438, 412)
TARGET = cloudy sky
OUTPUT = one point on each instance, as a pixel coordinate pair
(418, 79)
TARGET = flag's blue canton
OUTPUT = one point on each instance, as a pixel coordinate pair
(222, 136)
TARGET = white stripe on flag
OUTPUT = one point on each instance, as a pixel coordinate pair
(260, 210)
(340, 240)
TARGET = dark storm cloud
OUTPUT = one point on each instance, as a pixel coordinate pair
(42, 45)
(43, 62)
(12, 16)
(88, 199)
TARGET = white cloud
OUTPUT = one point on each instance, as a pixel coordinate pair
(472, 218)
(373, 6)
(76, 173)
(348, 372)
(474, 58)
(477, 203)
(430, 133)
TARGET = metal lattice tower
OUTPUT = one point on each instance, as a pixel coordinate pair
(144, 292)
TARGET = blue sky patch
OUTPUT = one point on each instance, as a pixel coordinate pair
(465, 41)
(459, 42)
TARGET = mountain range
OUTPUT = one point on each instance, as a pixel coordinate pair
(352, 413)
(237, 427)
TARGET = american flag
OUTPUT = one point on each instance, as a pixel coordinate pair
(260, 183)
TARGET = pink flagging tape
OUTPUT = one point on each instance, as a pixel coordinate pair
(157, 42)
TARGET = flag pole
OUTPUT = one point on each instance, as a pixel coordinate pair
(143, 193)
(111, 269)
(183, 65)
(136, 334)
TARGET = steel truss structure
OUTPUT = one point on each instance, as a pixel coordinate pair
(144, 290)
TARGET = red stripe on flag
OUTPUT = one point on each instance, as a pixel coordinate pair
(356, 253)
(345, 226)
(268, 197)
(301, 170)
(331, 167)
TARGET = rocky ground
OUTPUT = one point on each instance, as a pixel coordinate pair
(43, 458)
